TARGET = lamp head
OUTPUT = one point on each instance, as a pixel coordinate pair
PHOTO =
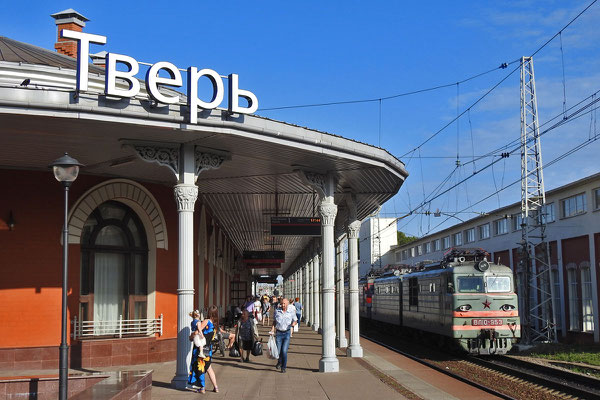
(66, 169)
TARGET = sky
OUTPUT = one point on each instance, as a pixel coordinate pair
(303, 53)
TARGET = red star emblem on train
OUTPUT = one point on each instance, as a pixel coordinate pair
(486, 304)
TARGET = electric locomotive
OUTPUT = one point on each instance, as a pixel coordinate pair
(464, 298)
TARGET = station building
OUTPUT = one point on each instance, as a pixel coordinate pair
(170, 200)
(573, 233)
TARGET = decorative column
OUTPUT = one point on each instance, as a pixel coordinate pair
(341, 302)
(307, 298)
(316, 295)
(354, 348)
(328, 211)
(295, 284)
(301, 289)
(185, 195)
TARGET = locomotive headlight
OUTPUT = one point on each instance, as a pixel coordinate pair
(483, 265)
(464, 307)
(507, 307)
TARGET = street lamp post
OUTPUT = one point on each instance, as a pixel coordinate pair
(65, 171)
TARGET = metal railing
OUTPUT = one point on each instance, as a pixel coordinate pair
(118, 328)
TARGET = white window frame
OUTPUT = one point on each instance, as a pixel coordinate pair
(437, 245)
(428, 247)
(458, 236)
(446, 244)
(549, 217)
(596, 195)
(469, 235)
(480, 229)
(497, 223)
(516, 222)
(420, 249)
(558, 297)
(577, 209)
(587, 306)
(572, 285)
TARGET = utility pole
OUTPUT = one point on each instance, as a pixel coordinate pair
(536, 282)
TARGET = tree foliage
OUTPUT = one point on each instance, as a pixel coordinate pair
(404, 239)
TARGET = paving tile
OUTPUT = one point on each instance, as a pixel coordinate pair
(259, 379)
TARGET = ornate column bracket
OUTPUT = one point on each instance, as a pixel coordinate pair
(314, 180)
(185, 196)
(205, 160)
(161, 154)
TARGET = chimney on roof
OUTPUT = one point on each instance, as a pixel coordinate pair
(99, 59)
(73, 21)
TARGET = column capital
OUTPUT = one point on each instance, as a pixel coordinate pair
(185, 195)
(353, 230)
(328, 212)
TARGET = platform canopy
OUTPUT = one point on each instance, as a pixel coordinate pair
(42, 117)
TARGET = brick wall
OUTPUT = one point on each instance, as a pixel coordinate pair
(65, 46)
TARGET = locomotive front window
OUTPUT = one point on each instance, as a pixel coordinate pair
(470, 284)
(498, 284)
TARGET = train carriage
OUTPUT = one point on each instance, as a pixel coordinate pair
(464, 298)
(386, 292)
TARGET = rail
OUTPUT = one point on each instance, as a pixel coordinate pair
(117, 328)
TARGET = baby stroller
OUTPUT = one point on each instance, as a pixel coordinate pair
(218, 344)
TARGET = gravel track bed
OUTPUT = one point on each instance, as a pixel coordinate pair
(509, 385)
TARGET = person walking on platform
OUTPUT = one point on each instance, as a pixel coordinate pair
(265, 307)
(200, 366)
(291, 309)
(283, 322)
(249, 306)
(298, 307)
(257, 309)
(246, 334)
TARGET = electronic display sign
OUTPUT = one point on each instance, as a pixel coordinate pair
(296, 226)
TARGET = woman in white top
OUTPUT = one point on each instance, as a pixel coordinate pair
(257, 309)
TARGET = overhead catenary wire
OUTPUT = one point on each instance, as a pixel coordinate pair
(569, 118)
(394, 96)
(555, 160)
(501, 81)
(505, 153)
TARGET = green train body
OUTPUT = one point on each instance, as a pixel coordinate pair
(464, 298)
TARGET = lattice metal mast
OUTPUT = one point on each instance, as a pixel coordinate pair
(536, 279)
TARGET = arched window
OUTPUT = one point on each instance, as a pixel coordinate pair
(114, 266)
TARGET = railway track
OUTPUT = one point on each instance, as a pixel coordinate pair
(441, 369)
(549, 382)
(561, 380)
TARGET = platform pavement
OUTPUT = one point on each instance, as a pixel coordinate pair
(357, 379)
(381, 374)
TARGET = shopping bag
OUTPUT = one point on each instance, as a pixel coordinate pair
(272, 347)
(257, 349)
(296, 328)
(259, 316)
